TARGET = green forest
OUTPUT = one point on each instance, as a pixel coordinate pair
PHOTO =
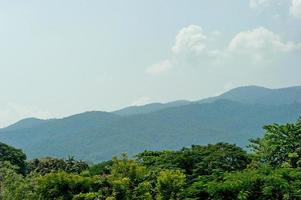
(270, 168)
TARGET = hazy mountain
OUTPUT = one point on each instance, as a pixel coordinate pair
(260, 95)
(95, 136)
(104, 134)
(25, 123)
(133, 110)
(246, 95)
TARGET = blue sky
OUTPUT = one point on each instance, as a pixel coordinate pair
(58, 57)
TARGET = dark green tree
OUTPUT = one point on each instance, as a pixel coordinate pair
(14, 156)
(48, 164)
(198, 160)
(101, 168)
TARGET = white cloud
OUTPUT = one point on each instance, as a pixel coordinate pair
(259, 3)
(13, 112)
(190, 45)
(195, 48)
(259, 44)
(295, 8)
(141, 101)
(190, 40)
(159, 68)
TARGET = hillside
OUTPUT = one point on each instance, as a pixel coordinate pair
(102, 135)
(25, 123)
(245, 95)
(133, 110)
(260, 95)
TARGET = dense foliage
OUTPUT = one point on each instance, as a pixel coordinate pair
(270, 171)
(46, 165)
(15, 156)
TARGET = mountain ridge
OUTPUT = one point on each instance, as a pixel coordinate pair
(102, 135)
(156, 106)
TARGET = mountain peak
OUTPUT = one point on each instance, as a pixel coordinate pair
(25, 123)
(260, 95)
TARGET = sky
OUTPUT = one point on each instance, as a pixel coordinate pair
(58, 58)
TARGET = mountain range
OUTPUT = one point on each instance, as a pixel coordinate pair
(234, 117)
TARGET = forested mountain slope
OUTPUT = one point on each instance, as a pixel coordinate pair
(245, 95)
(101, 135)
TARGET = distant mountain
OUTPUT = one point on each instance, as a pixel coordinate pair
(260, 95)
(95, 136)
(234, 117)
(245, 95)
(25, 123)
(134, 110)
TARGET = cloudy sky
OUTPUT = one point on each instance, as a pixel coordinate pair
(59, 57)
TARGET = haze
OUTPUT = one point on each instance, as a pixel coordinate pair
(58, 57)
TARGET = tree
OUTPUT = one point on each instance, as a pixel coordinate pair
(281, 145)
(13, 186)
(46, 165)
(219, 158)
(101, 168)
(61, 185)
(143, 191)
(14, 156)
(159, 159)
(170, 184)
(129, 180)
(125, 168)
(198, 160)
(260, 184)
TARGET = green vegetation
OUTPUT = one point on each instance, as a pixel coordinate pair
(270, 171)
(15, 156)
(46, 165)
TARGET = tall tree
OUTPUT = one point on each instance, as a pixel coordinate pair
(281, 145)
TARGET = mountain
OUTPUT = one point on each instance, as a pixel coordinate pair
(245, 95)
(95, 136)
(260, 95)
(25, 123)
(134, 110)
